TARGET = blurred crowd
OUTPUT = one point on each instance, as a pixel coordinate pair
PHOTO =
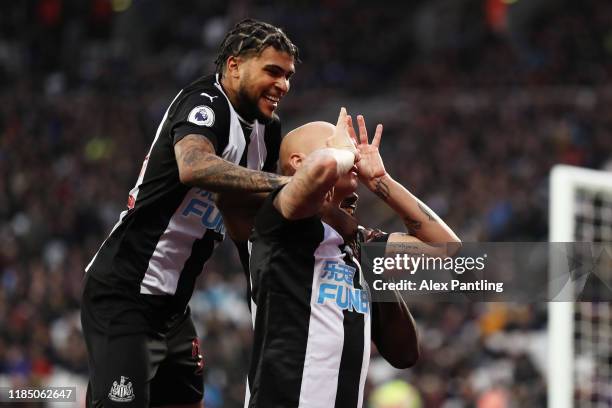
(475, 112)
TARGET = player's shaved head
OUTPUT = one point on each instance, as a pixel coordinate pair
(303, 140)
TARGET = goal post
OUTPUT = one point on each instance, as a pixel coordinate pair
(580, 210)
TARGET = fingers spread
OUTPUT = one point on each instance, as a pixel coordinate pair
(377, 135)
(351, 129)
(341, 138)
(342, 118)
(363, 133)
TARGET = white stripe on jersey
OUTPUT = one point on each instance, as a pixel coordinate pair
(196, 214)
(256, 155)
(247, 394)
(236, 141)
(325, 333)
(253, 304)
(134, 191)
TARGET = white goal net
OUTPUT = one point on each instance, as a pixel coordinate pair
(580, 332)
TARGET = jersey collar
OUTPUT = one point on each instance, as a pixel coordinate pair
(240, 118)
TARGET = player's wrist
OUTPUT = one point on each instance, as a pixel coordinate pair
(373, 183)
(345, 159)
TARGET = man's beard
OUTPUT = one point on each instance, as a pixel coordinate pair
(248, 109)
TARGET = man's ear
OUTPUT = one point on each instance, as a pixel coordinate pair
(233, 65)
(296, 160)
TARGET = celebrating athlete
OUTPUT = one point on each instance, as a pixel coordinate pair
(218, 134)
(311, 349)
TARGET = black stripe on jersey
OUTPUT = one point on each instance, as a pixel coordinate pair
(246, 129)
(243, 255)
(347, 394)
(201, 251)
(273, 141)
(279, 361)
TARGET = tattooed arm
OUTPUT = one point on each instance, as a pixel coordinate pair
(422, 223)
(200, 167)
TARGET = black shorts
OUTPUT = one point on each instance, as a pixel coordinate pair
(141, 367)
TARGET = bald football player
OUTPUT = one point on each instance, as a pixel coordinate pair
(312, 312)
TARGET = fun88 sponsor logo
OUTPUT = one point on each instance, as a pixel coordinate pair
(337, 287)
(203, 206)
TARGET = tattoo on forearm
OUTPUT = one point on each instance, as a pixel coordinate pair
(381, 189)
(426, 212)
(412, 225)
(217, 174)
(225, 176)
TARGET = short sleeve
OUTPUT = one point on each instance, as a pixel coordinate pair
(203, 113)
(270, 223)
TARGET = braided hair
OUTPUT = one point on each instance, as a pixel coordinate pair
(251, 37)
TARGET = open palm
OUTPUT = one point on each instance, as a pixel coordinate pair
(370, 166)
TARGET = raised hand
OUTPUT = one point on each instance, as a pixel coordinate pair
(370, 166)
(341, 139)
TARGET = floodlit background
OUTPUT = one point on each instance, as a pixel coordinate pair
(479, 99)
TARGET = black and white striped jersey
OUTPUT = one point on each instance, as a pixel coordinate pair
(311, 314)
(169, 230)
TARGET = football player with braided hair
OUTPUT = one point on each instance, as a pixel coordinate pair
(219, 134)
